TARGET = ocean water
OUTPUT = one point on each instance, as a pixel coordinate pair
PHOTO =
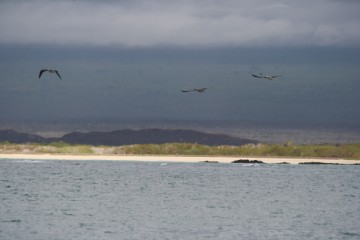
(140, 200)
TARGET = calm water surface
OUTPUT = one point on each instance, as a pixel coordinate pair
(135, 200)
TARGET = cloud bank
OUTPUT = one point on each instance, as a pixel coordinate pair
(188, 23)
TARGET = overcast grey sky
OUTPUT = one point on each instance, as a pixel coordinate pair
(131, 59)
(200, 23)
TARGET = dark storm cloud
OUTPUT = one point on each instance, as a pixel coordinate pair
(181, 23)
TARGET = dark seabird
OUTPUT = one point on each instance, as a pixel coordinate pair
(199, 90)
(268, 77)
(50, 71)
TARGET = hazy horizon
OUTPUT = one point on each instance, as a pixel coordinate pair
(276, 133)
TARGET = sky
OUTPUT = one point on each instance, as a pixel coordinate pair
(129, 60)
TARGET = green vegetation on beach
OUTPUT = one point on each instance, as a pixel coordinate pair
(351, 151)
(348, 151)
(51, 148)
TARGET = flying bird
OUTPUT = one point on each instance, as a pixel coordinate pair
(50, 71)
(268, 77)
(199, 90)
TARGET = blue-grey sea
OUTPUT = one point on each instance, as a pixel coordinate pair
(50, 200)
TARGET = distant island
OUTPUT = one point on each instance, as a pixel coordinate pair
(166, 142)
(129, 137)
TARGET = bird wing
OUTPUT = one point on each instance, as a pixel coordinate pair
(41, 72)
(272, 77)
(187, 90)
(57, 73)
(256, 76)
(201, 89)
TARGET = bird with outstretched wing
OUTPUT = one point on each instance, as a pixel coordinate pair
(50, 71)
(199, 90)
(268, 77)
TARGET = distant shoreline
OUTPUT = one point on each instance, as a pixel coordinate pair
(172, 158)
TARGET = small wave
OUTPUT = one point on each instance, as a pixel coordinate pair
(251, 165)
(13, 221)
(29, 161)
(350, 234)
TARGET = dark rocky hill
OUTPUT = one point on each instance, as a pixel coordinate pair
(127, 137)
(17, 137)
(156, 136)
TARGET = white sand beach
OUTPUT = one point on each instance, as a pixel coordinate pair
(171, 158)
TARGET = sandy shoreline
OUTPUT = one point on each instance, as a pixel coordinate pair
(168, 158)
